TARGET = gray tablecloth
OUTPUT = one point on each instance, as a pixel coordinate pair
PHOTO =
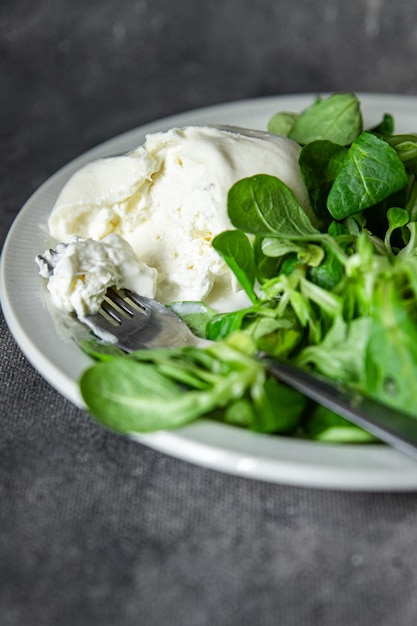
(96, 529)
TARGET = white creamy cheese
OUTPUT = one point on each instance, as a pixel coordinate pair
(79, 272)
(168, 199)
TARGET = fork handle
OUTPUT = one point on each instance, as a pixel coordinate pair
(394, 427)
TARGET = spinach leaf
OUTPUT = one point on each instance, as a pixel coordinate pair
(331, 269)
(320, 163)
(235, 248)
(337, 118)
(328, 273)
(128, 396)
(266, 266)
(372, 172)
(264, 205)
(282, 123)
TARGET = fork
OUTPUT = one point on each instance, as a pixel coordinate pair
(131, 322)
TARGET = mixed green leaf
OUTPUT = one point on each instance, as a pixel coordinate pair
(335, 292)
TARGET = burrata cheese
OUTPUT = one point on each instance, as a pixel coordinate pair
(168, 200)
(80, 271)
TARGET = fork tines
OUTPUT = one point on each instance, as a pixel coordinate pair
(118, 306)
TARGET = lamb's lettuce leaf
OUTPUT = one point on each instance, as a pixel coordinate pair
(372, 172)
(264, 205)
(337, 119)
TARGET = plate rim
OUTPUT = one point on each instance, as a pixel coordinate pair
(249, 455)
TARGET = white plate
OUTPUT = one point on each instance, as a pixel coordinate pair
(221, 447)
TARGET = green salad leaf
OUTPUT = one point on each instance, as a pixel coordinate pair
(162, 389)
(234, 246)
(282, 123)
(334, 291)
(372, 172)
(264, 205)
(337, 119)
(320, 163)
(391, 356)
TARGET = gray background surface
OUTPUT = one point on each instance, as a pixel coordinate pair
(96, 529)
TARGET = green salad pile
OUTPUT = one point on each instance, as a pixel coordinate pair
(334, 291)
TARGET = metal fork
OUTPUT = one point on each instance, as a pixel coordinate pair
(131, 322)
